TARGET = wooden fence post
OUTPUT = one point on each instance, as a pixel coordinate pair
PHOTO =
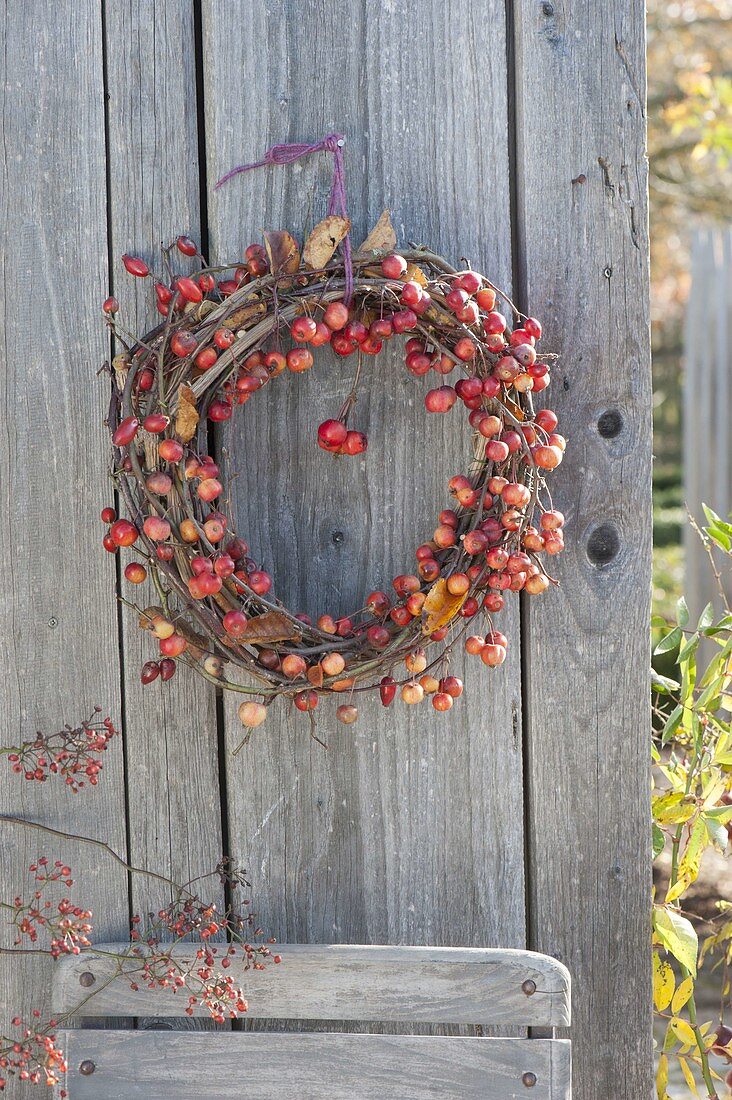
(707, 396)
(406, 829)
(174, 814)
(58, 624)
(583, 259)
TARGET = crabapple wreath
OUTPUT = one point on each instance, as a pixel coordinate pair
(227, 334)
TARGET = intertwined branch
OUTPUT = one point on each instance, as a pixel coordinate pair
(223, 339)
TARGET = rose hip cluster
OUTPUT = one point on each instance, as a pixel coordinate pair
(65, 925)
(61, 928)
(224, 338)
(32, 1055)
(204, 976)
(71, 753)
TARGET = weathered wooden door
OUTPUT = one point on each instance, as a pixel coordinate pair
(512, 135)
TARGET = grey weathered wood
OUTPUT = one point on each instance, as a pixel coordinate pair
(58, 633)
(707, 396)
(172, 759)
(583, 257)
(165, 1066)
(410, 826)
(419, 984)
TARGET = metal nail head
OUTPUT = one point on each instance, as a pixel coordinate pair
(86, 979)
(528, 987)
(87, 1067)
(529, 1079)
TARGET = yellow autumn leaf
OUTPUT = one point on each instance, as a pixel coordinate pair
(688, 1076)
(683, 1032)
(692, 854)
(324, 239)
(440, 607)
(663, 982)
(662, 1077)
(677, 934)
(672, 808)
(675, 891)
(681, 996)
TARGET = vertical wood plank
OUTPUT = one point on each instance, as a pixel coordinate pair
(409, 827)
(707, 371)
(581, 171)
(58, 627)
(172, 751)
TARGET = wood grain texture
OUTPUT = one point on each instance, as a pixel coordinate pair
(58, 632)
(343, 982)
(165, 1066)
(581, 174)
(174, 811)
(409, 827)
(707, 396)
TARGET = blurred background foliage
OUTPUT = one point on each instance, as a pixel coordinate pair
(690, 155)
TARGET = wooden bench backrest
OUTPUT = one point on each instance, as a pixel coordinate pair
(408, 985)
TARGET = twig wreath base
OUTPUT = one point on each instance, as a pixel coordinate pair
(229, 333)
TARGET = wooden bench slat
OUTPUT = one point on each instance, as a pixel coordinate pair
(165, 1065)
(333, 982)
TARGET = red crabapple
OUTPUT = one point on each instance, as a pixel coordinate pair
(412, 693)
(387, 690)
(440, 400)
(336, 316)
(135, 572)
(332, 434)
(303, 329)
(235, 623)
(156, 528)
(299, 360)
(173, 645)
(293, 666)
(252, 715)
(453, 685)
(393, 266)
(135, 266)
(306, 700)
(355, 443)
(493, 655)
(123, 533)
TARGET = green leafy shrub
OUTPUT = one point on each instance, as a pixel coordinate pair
(692, 812)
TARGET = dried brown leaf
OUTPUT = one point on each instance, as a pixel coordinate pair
(415, 274)
(382, 237)
(283, 252)
(246, 313)
(324, 239)
(512, 407)
(186, 418)
(315, 675)
(272, 626)
(440, 607)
